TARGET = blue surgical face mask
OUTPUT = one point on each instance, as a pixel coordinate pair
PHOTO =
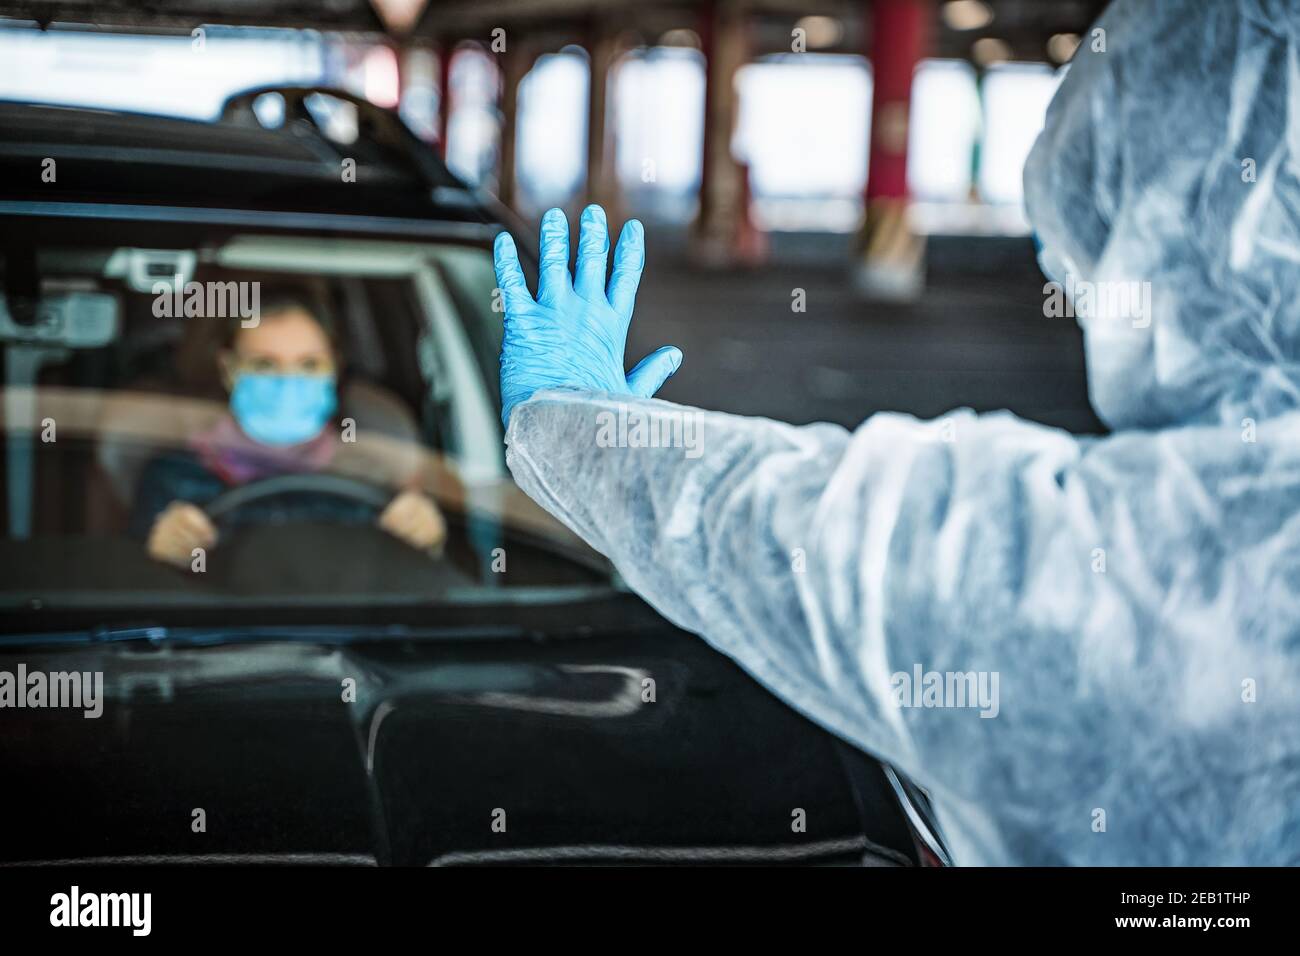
(283, 409)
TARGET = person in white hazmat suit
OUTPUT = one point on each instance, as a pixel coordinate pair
(1134, 599)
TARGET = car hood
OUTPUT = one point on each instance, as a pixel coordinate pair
(636, 746)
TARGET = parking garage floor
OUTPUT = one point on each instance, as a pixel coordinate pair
(978, 338)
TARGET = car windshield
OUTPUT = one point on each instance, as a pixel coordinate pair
(137, 379)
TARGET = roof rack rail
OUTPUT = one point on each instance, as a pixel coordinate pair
(375, 124)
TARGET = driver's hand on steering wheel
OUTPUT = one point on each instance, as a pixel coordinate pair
(177, 531)
(414, 518)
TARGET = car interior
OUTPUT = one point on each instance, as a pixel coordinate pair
(102, 373)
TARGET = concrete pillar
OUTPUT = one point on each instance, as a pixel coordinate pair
(604, 47)
(891, 257)
(722, 227)
(514, 63)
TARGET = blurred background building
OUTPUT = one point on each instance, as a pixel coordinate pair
(855, 149)
(571, 100)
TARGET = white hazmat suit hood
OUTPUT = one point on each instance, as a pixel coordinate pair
(1166, 184)
(1133, 601)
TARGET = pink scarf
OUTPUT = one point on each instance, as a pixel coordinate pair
(237, 459)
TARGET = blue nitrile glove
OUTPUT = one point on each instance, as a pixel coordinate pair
(574, 333)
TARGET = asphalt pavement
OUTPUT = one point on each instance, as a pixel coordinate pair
(977, 338)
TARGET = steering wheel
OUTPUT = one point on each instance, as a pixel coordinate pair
(327, 557)
(228, 502)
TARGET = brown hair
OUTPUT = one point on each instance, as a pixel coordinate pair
(196, 364)
(283, 297)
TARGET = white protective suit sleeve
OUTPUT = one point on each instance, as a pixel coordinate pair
(1125, 592)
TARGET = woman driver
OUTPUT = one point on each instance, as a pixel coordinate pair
(281, 375)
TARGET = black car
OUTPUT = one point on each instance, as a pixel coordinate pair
(319, 691)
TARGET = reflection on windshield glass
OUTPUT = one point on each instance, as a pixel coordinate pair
(271, 418)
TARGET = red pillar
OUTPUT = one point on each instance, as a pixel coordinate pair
(706, 26)
(899, 32)
(892, 260)
(446, 49)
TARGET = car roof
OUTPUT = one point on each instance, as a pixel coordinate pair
(108, 158)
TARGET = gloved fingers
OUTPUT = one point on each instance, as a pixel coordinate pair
(653, 370)
(629, 260)
(593, 254)
(553, 278)
(510, 277)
